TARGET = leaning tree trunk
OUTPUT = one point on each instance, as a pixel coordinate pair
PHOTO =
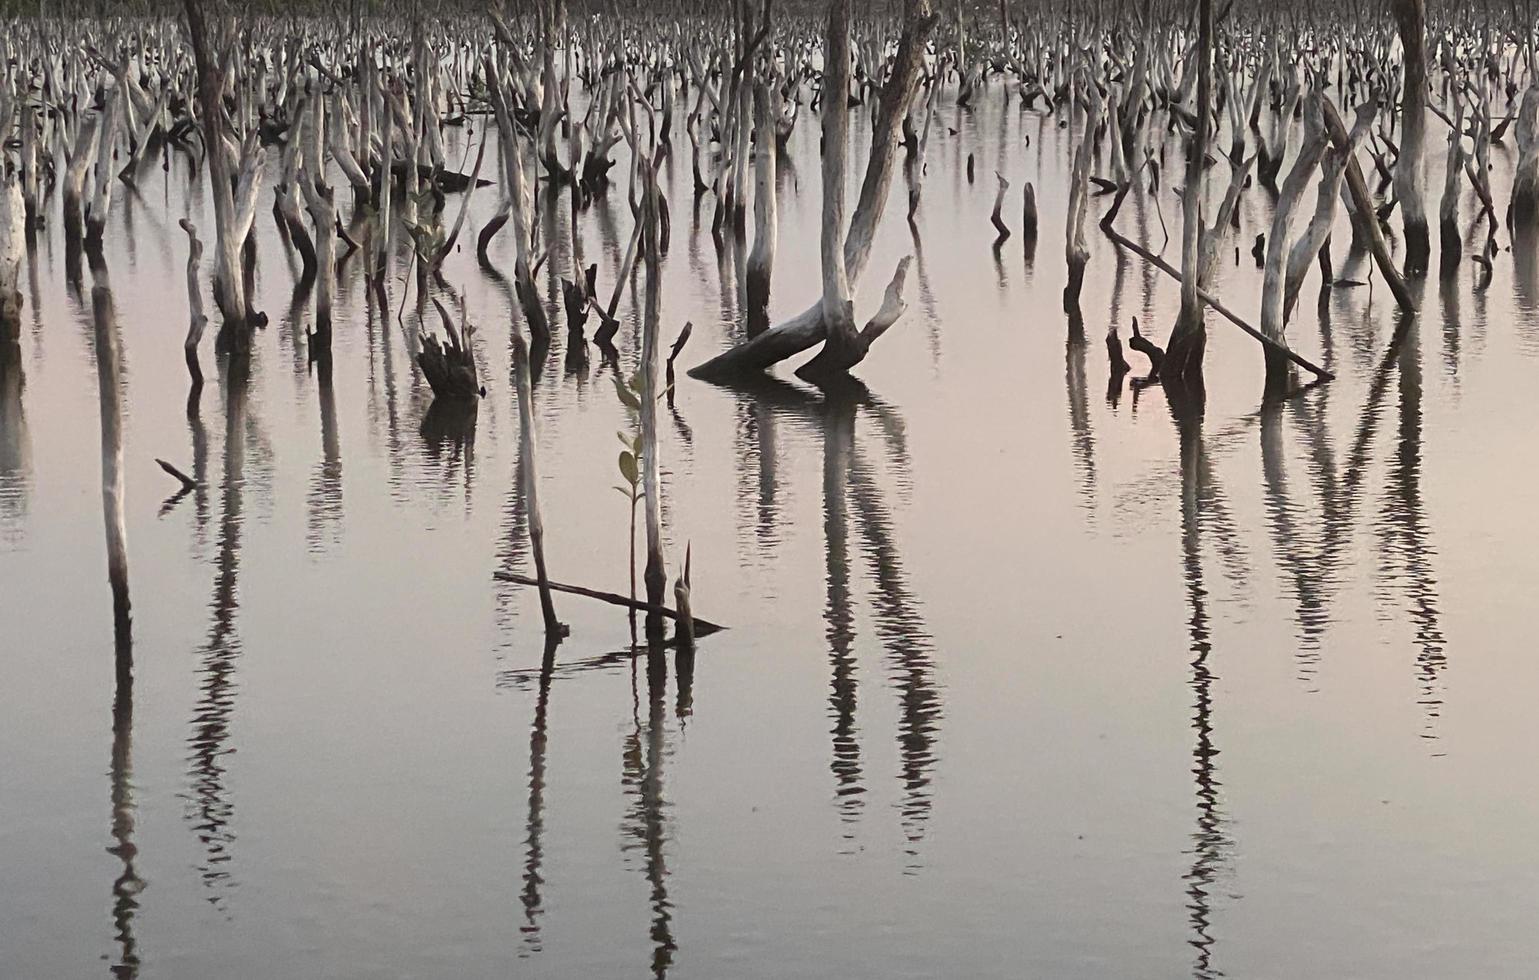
(1273, 283)
(1411, 18)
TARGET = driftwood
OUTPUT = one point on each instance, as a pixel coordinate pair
(188, 483)
(703, 627)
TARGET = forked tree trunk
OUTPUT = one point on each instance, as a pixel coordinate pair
(807, 329)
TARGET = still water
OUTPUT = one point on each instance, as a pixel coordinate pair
(1023, 678)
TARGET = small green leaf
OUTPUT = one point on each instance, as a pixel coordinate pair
(628, 467)
(627, 396)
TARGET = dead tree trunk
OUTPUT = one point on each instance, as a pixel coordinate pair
(1076, 247)
(196, 321)
(1182, 366)
(761, 260)
(839, 351)
(13, 248)
(109, 380)
(229, 287)
(1411, 18)
(1525, 178)
(807, 329)
(1273, 282)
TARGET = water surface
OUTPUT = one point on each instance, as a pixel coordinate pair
(1025, 677)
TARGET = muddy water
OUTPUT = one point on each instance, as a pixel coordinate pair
(1025, 677)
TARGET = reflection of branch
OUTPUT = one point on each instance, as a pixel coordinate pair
(1403, 535)
(535, 827)
(127, 886)
(908, 643)
(212, 808)
(1300, 569)
(642, 777)
(838, 615)
(1209, 841)
(1082, 438)
(325, 497)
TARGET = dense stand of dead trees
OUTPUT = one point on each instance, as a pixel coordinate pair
(355, 112)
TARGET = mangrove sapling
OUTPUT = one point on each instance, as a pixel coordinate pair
(630, 469)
